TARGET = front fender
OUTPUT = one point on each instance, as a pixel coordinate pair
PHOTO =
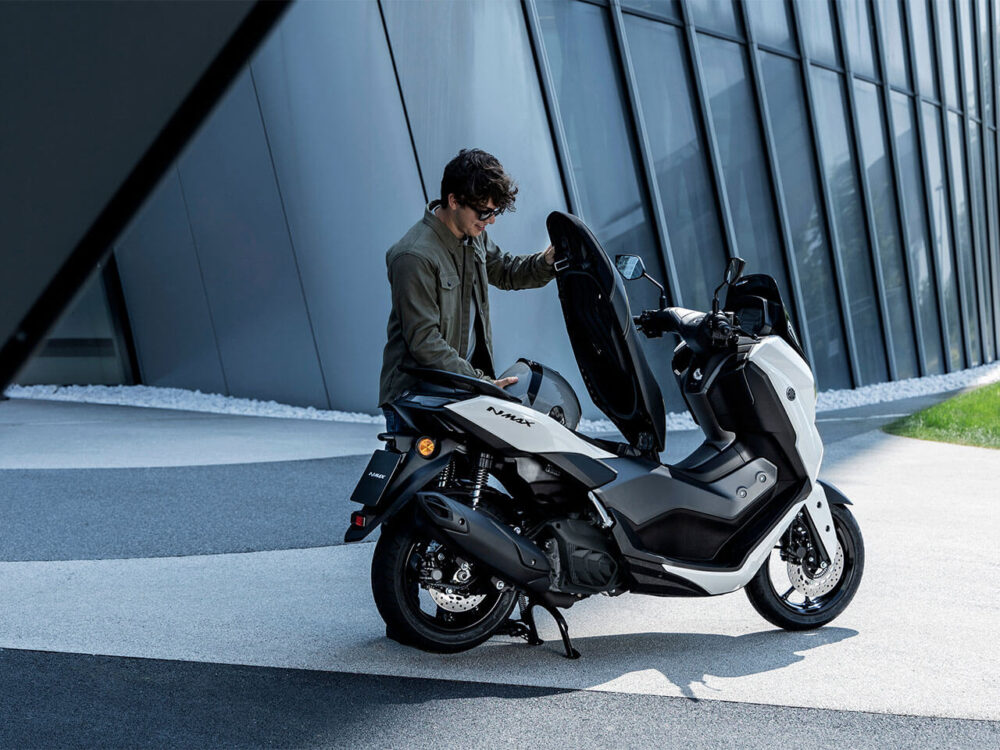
(415, 473)
(833, 495)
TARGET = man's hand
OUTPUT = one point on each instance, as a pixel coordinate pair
(504, 382)
(550, 255)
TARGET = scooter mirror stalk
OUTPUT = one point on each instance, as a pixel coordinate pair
(631, 268)
(734, 269)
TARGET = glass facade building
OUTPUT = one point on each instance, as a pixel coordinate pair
(846, 147)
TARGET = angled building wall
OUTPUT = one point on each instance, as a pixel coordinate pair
(848, 148)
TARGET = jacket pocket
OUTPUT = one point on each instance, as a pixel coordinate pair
(449, 281)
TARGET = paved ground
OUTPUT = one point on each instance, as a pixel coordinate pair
(225, 612)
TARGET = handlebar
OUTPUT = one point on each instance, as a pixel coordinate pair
(703, 332)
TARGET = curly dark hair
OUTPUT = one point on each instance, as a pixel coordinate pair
(474, 177)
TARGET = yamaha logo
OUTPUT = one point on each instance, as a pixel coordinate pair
(508, 415)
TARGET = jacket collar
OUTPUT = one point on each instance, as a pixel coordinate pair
(448, 239)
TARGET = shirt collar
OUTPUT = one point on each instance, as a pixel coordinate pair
(448, 239)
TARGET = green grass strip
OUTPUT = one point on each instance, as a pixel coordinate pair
(971, 418)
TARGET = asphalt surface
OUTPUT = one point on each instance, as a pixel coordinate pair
(83, 701)
(226, 613)
(97, 514)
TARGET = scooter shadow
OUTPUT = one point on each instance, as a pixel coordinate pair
(685, 660)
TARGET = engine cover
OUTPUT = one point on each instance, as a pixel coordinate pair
(581, 557)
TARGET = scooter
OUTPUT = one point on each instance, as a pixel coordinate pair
(490, 500)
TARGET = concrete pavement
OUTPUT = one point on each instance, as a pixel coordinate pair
(916, 642)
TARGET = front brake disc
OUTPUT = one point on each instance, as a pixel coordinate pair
(823, 582)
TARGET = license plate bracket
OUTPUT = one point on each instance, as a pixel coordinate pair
(376, 477)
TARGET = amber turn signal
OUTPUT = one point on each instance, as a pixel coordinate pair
(426, 447)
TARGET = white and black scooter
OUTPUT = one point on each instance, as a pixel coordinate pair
(578, 516)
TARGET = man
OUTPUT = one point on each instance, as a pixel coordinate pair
(438, 273)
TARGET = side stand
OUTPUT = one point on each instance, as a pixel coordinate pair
(525, 627)
(571, 653)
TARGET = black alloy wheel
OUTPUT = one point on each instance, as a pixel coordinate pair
(432, 598)
(795, 596)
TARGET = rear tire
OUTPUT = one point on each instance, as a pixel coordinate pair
(776, 597)
(403, 596)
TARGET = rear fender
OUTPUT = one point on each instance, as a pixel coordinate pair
(412, 476)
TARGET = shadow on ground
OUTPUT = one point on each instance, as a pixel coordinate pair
(638, 662)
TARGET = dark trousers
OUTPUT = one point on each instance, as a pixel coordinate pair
(392, 421)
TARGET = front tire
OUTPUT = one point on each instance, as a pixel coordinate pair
(785, 594)
(418, 611)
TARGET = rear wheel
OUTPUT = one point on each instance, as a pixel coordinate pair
(432, 598)
(795, 595)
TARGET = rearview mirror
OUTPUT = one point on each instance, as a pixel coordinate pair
(734, 269)
(629, 266)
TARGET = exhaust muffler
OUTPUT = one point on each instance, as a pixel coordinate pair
(487, 542)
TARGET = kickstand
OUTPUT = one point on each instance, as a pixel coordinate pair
(524, 627)
(571, 653)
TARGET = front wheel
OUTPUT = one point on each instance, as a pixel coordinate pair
(795, 596)
(430, 597)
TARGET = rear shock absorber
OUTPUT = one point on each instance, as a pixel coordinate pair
(446, 476)
(482, 473)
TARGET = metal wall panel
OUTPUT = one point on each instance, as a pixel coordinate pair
(161, 279)
(677, 148)
(506, 118)
(250, 274)
(346, 171)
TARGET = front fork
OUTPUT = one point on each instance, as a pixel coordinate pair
(817, 508)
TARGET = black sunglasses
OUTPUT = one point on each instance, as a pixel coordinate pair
(484, 214)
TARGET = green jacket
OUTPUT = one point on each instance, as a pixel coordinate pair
(433, 276)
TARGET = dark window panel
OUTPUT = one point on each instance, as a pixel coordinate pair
(890, 252)
(967, 44)
(891, 17)
(677, 148)
(918, 252)
(947, 281)
(817, 28)
(739, 140)
(666, 8)
(944, 17)
(923, 48)
(771, 23)
(578, 43)
(849, 219)
(718, 15)
(784, 92)
(977, 200)
(858, 35)
(963, 236)
(993, 250)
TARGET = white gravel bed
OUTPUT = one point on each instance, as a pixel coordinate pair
(178, 398)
